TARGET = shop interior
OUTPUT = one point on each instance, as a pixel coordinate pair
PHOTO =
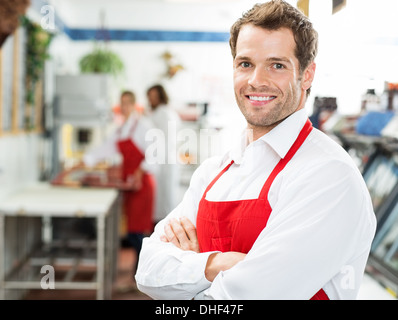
(58, 99)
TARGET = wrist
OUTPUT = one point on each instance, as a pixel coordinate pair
(212, 266)
(221, 261)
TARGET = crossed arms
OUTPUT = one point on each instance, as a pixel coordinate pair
(182, 234)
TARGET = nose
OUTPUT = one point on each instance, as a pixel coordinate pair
(259, 77)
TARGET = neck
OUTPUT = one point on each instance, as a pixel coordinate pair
(128, 115)
(256, 132)
(155, 107)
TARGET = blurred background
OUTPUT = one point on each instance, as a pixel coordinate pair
(63, 65)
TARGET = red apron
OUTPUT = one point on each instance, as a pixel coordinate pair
(138, 206)
(235, 225)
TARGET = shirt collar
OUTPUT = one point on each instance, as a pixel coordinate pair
(237, 151)
(126, 126)
(280, 138)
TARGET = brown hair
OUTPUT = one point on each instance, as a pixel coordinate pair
(129, 94)
(277, 14)
(163, 97)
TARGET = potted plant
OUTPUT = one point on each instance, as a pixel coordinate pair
(101, 60)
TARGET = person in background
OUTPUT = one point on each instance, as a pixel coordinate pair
(168, 121)
(285, 214)
(128, 143)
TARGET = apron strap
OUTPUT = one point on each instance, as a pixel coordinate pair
(305, 131)
(131, 131)
(133, 127)
(216, 178)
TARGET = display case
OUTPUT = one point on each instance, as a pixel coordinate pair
(383, 259)
(381, 177)
(377, 159)
(385, 244)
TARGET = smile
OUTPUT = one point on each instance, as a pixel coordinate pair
(261, 98)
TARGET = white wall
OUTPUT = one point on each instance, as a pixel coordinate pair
(356, 45)
(207, 67)
(19, 161)
(216, 15)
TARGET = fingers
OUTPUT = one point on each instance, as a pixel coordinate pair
(181, 233)
(170, 235)
(189, 228)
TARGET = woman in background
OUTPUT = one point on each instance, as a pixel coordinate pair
(168, 121)
(128, 141)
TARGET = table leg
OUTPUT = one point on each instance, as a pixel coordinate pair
(2, 258)
(100, 257)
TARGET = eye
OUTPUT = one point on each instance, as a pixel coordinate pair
(245, 64)
(278, 66)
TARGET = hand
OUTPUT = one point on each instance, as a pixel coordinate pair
(221, 261)
(136, 179)
(181, 233)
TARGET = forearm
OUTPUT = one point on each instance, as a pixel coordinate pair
(197, 270)
(167, 272)
(221, 261)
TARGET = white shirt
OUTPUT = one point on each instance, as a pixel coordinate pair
(109, 149)
(318, 235)
(167, 178)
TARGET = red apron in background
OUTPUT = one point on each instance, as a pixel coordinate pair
(235, 225)
(138, 205)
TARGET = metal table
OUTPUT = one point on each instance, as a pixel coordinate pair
(26, 244)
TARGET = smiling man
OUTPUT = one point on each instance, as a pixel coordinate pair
(283, 215)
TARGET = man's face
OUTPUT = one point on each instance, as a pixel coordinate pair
(267, 82)
(153, 97)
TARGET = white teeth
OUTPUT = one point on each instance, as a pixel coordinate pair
(256, 98)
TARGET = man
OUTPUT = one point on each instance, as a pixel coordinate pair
(167, 179)
(283, 215)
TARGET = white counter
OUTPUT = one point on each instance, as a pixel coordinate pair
(22, 216)
(44, 199)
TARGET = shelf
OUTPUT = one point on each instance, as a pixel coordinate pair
(74, 264)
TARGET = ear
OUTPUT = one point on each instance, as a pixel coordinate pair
(308, 76)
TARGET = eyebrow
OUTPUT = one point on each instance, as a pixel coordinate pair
(269, 59)
(278, 59)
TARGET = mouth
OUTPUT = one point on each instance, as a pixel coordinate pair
(260, 99)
